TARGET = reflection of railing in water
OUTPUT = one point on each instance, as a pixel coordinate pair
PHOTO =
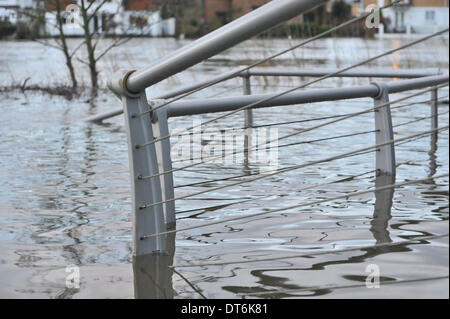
(153, 274)
(148, 134)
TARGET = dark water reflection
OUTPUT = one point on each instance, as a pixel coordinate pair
(153, 274)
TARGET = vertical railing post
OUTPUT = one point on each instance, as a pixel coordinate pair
(161, 129)
(385, 155)
(434, 108)
(248, 113)
(248, 118)
(147, 218)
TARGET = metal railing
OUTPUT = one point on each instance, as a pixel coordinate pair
(152, 171)
(147, 122)
(248, 74)
(149, 136)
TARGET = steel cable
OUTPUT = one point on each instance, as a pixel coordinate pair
(268, 99)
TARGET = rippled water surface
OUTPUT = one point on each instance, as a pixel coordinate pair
(65, 188)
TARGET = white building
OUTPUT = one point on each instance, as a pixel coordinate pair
(410, 16)
(10, 9)
(113, 19)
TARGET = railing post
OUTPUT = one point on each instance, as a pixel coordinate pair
(248, 112)
(385, 157)
(434, 108)
(161, 129)
(144, 162)
(248, 119)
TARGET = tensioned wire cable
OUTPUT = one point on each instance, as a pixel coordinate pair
(346, 196)
(347, 178)
(256, 174)
(234, 74)
(253, 147)
(440, 99)
(272, 97)
(197, 290)
(293, 144)
(266, 125)
(315, 253)
(295, 167)
(266, 174)
(419, 119)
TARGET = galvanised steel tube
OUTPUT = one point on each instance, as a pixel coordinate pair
(203, 106)
(358, 72)
(166, 95)
(415, 84)
(191, 87)
(257, 21)
(193, 107)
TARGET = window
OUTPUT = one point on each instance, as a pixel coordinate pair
(429, 15)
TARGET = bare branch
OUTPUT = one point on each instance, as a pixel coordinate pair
(116, 43)
(29, 14)
(48, 44)
(96, 9)
(80, 45)
(90, 5)
(82, 61)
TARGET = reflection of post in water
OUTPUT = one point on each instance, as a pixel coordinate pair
(434, 136)
(153, 273)
(383, 205)
(432, 154)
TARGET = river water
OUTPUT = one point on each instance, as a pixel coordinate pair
(65, 187)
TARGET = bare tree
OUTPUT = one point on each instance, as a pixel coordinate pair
(87, 10)
(63, 44)
(60, 42)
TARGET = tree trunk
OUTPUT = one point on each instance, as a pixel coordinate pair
(65, 49)
(178, 22)
(92, 62)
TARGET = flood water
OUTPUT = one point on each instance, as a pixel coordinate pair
(65, 186)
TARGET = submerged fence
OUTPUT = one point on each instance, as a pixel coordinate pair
(149, 135)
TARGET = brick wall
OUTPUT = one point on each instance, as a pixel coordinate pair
(214, 9)
(140, 5)
(416, 3)
(51, 4)
(219, 9)
(241, 7)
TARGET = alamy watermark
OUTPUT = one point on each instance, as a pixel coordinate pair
(373, 19)
(73, 16)
(73, 278)
(72, 19)
(258, 146)
(373, 279)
